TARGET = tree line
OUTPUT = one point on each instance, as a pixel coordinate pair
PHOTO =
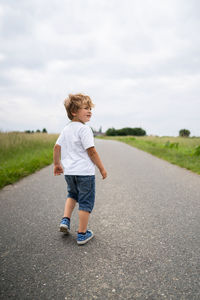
(37, 131)
(138, 132)
(125, 131)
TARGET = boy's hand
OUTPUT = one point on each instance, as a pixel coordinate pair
(103, 173)
(58, 170)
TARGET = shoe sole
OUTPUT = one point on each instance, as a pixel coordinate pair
(84, 242)
(64, 228)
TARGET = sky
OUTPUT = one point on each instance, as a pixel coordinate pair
(138, 60)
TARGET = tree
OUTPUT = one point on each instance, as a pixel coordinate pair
(184, 133)
(111, 132)
(44, 130)
(29, 131)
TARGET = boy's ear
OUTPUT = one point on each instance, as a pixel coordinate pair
(73, 114)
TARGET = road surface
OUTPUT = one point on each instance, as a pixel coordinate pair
(146, 225)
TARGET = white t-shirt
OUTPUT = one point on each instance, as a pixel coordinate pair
(74, 139)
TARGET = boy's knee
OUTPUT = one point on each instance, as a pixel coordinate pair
(71, 201)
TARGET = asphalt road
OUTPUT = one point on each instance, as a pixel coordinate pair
(146, 225)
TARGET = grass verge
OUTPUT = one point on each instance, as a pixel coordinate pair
(184, 152)
(22, 154)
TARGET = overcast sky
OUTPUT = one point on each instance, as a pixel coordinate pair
(139, 61)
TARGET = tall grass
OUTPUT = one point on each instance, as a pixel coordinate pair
(22, 154)
(184, 152)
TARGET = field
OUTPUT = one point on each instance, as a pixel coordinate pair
(22, 154)
(184, 152)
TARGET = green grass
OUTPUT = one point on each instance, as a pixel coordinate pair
(22, 154)
(184, 152)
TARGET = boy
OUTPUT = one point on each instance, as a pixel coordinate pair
(78, 157)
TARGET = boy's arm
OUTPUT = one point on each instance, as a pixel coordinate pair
(96, 160)
(56, 160)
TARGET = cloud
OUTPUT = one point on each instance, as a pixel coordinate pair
(138, 60)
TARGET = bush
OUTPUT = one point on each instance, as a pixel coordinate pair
(197, 150)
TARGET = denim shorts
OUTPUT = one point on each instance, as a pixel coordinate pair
(82, 189)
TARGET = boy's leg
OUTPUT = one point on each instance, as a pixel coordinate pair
(69, 207)
(84, 235)
(65, 222)
(86, 197)
(83, 220)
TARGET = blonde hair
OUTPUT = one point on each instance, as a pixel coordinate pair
(74, 102)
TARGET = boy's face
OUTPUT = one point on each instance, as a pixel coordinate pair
(83, 114)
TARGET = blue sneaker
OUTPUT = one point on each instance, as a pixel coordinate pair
(84, 238)
(65, 225)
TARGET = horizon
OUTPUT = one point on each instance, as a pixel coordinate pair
(96, 131)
